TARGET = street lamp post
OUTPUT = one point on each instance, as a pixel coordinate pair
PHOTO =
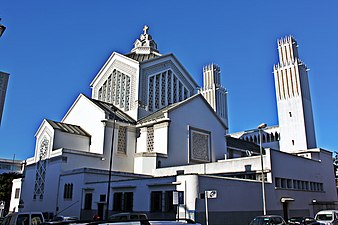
(260, 127)
(2, 29)
(110, 164)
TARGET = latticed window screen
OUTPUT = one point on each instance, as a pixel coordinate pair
(165, 88)
(175, 90)
(122, 140)
(40, 176)
(151, 93)
(169, 87)
(150, 139)
(157, 91)
(116, 90)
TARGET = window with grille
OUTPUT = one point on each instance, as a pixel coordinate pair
(150, 139)
(68, 191)
(122, 140)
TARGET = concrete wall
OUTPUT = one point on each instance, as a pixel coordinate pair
(14, 204)
(187, 115)
(71, 141)
(89, 121)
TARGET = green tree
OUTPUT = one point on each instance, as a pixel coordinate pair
(6, 187)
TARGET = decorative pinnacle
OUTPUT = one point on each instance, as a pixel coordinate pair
(145, 29)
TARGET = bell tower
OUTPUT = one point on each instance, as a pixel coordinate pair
(293, 99)
(214, 93)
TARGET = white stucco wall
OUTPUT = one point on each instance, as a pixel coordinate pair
(14, 203)
(71, 141)
(196, 113)
(90, 121)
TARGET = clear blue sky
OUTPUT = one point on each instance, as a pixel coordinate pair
(53, 49)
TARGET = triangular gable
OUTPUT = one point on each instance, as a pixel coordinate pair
(108, 64)
(161, 113)
(104, 107)
(176, 61)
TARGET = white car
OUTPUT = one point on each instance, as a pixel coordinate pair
(327, 217)
(23, 218)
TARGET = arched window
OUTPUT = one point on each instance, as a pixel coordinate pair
(272, 137)
(255, 139)
(263, 138)
(251, 140)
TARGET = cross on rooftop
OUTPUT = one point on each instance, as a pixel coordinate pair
(145, 29)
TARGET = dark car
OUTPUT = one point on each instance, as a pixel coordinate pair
(306, 220)
(268, 220)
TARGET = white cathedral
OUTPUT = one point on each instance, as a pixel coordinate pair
(159, 135)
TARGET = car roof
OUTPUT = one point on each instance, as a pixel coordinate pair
(327, 211)
(268, 216)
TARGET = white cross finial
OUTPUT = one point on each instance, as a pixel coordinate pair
(145, 29)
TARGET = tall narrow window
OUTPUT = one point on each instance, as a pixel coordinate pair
(290, 114)
(122, 140)
(128, 201)
(117, 204)
(17, 193)
(150, 139)
(156, 201)
(68, 191)
(88, 201)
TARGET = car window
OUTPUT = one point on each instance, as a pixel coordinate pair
(324, 217)
(133, 217)
(278, 220)
(36, 219)
(261, 221)
(23, 219)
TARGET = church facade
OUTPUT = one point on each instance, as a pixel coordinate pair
(164, 142)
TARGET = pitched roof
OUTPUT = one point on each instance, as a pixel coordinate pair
(141, 57)
(241, 144)
(159, 114)
(110, 110)
(68, 128)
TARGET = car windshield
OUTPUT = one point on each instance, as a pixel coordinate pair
(260, 221)
(324, 217)
(296, 219)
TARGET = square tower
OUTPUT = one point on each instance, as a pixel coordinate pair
(293, 99)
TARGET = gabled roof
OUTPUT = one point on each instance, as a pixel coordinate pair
(237, 143)
(141, 57)
(160, 114)
(68, 128)
(110, 110)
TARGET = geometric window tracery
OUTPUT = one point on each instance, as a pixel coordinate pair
(150, 139)
(40, 173)
(116, 90)
(122, 140)
(165, 88)
(199, 145)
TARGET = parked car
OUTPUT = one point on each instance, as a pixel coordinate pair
(306, 220)
(268, 220)
(128, 216)
(65, 218)
(23, 218)
(327, 217)
(173, 222)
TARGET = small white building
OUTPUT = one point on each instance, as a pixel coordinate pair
(160, 135)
